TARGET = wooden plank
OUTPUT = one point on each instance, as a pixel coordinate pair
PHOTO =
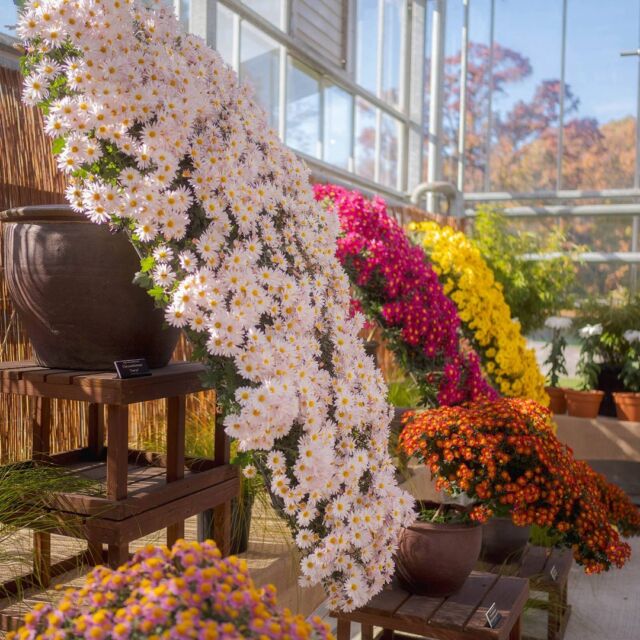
(139, 501)
(39, 375)
(117, 424)
(344, 629)
(510, 596)
(419, 609)
(17, 364)
(389, 600)
(18, 374)
(460, 607)
(160, 460)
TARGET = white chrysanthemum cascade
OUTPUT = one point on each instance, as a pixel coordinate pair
(161, 140)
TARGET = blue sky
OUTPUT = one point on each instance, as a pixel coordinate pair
(597, 31)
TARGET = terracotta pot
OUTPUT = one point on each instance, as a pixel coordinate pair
(71, 283)
(627, 406)
(583, 404)
(435, 559)
(558, 402)
(502, 541)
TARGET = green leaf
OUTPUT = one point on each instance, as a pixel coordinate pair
(147, 264)
(57, 146)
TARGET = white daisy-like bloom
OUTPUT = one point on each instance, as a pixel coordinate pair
(632, 335)
(246, 260)
(590, 330)
(558, 323)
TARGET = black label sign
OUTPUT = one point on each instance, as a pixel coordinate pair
(134, 368)
(493, 616)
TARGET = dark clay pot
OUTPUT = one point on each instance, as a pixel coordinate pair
(435, 559)
(71, 283)
(503, 542)
(609, 382)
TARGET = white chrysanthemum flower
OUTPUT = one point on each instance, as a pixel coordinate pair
(632, 335)
(558, 323)
(590, 330)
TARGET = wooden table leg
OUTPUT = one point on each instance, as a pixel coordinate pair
(41, 447)
(554, 619)
(42, 558)
(344, 629)
(118, 554)
(117, 451)
(95, 419)
(117, 469)
(366, 631)
(516, 631)
(175, 455)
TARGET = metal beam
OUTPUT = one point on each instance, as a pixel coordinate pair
(436, 90)
(588, 256)
(564, 211)
(578, 194)
(462, 123)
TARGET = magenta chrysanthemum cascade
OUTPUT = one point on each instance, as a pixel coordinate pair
(386, 267)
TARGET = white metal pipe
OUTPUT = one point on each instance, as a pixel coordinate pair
(588, 256)
(563, 211)
(462, 122)
(438, 29)
(563, 59)
(487, 165)
(578, 194)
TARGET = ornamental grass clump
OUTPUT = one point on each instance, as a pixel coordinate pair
(396, 288)
(162, 142)
(188, 591)
(485, 315)
(505, 457)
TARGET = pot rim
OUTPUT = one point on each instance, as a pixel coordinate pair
(587, 392)
(442, 527)
(626, 394)
(42, 213)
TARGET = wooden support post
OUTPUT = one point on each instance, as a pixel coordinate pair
(176, 408)
(117, 451)
(554, 619)
(344, 629)
(42, 558)
(366, 631)
(41, 428)
(41, 447)
(516, 630)
(222, 513)
(95, 419)
(118, 554)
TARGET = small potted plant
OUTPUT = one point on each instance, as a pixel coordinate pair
(504, 456)
(585, 402)
(437, 553)
(628, 402)
(556, 362)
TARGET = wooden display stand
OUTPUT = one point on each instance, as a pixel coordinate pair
(143, 492)
(547, 570)
(461, 616)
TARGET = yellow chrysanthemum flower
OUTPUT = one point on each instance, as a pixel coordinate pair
(485, 315)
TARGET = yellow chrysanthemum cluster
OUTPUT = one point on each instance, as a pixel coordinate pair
(486, 317)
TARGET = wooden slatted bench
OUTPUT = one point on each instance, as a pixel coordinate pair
(141, 492)
(547, 570)
(461, 616)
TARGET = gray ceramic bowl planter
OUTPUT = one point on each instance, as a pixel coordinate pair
(71, 283)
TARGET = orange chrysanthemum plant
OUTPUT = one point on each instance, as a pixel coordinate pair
(505, 457)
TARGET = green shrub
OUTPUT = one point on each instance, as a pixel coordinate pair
(534, 290)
